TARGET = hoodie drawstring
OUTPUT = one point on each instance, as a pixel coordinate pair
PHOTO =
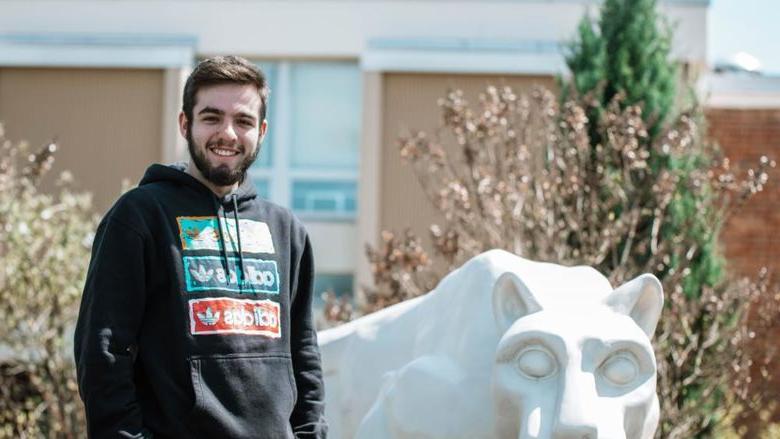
(222, 221)
(225, 262)
(238, 233)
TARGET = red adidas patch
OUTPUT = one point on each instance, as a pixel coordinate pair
(234, 316)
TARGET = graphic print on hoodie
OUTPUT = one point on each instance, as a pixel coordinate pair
(245, 275)
(196, 317)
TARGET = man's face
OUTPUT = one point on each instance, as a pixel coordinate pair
(225, 132)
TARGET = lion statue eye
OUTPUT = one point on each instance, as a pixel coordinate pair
(536, 363)
(620, 369)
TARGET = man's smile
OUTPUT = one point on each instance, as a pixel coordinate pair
(223, 151)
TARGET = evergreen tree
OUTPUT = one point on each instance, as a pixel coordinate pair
(626, 53)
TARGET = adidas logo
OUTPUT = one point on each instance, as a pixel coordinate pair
(208, 317)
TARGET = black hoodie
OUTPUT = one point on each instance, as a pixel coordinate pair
(196, 317)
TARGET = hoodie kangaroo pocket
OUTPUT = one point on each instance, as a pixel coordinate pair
(242, 396)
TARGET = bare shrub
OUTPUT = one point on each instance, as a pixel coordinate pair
(526, 178)
(44, 246)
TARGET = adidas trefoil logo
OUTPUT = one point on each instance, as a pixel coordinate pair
(202, 275)
(209, 318)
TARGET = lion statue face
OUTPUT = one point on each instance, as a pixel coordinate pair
(576, 366)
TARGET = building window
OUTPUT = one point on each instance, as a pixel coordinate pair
(330, 198)
(309, 158)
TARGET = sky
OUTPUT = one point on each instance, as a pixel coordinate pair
(751, 26)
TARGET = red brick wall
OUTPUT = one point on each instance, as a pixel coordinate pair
(752, 236)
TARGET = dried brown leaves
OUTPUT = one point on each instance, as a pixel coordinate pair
(44, 249)
(526, 178)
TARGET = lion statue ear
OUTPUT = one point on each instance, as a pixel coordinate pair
(512, 300)
(642, 299)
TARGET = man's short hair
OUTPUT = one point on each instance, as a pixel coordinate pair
(224, 70)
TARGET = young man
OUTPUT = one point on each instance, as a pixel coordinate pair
(196, 314)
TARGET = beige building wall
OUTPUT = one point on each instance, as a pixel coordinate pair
(107, 122)
(409, 103)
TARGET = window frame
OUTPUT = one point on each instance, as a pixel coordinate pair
(280, 174)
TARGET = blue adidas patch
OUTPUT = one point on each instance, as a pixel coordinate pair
(206, 273)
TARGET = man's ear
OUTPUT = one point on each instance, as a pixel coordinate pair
(642, 299)
(183, 124)
(511, 300)
(263, 129)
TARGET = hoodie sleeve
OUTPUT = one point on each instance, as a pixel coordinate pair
(308, 416)
(110, 315)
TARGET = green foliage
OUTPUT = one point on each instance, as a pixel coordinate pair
(634, 63)
(638, 63)
(627, 55)
(587, 55)
(44, 248)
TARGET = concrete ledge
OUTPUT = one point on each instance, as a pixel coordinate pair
(459, 55)
(740, 90)
(97, 50)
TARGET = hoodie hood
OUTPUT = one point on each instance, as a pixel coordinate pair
(177, 173)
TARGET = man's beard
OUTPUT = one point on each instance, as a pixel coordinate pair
(220, 175)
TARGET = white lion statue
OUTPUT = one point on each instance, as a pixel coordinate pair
(503, 347)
